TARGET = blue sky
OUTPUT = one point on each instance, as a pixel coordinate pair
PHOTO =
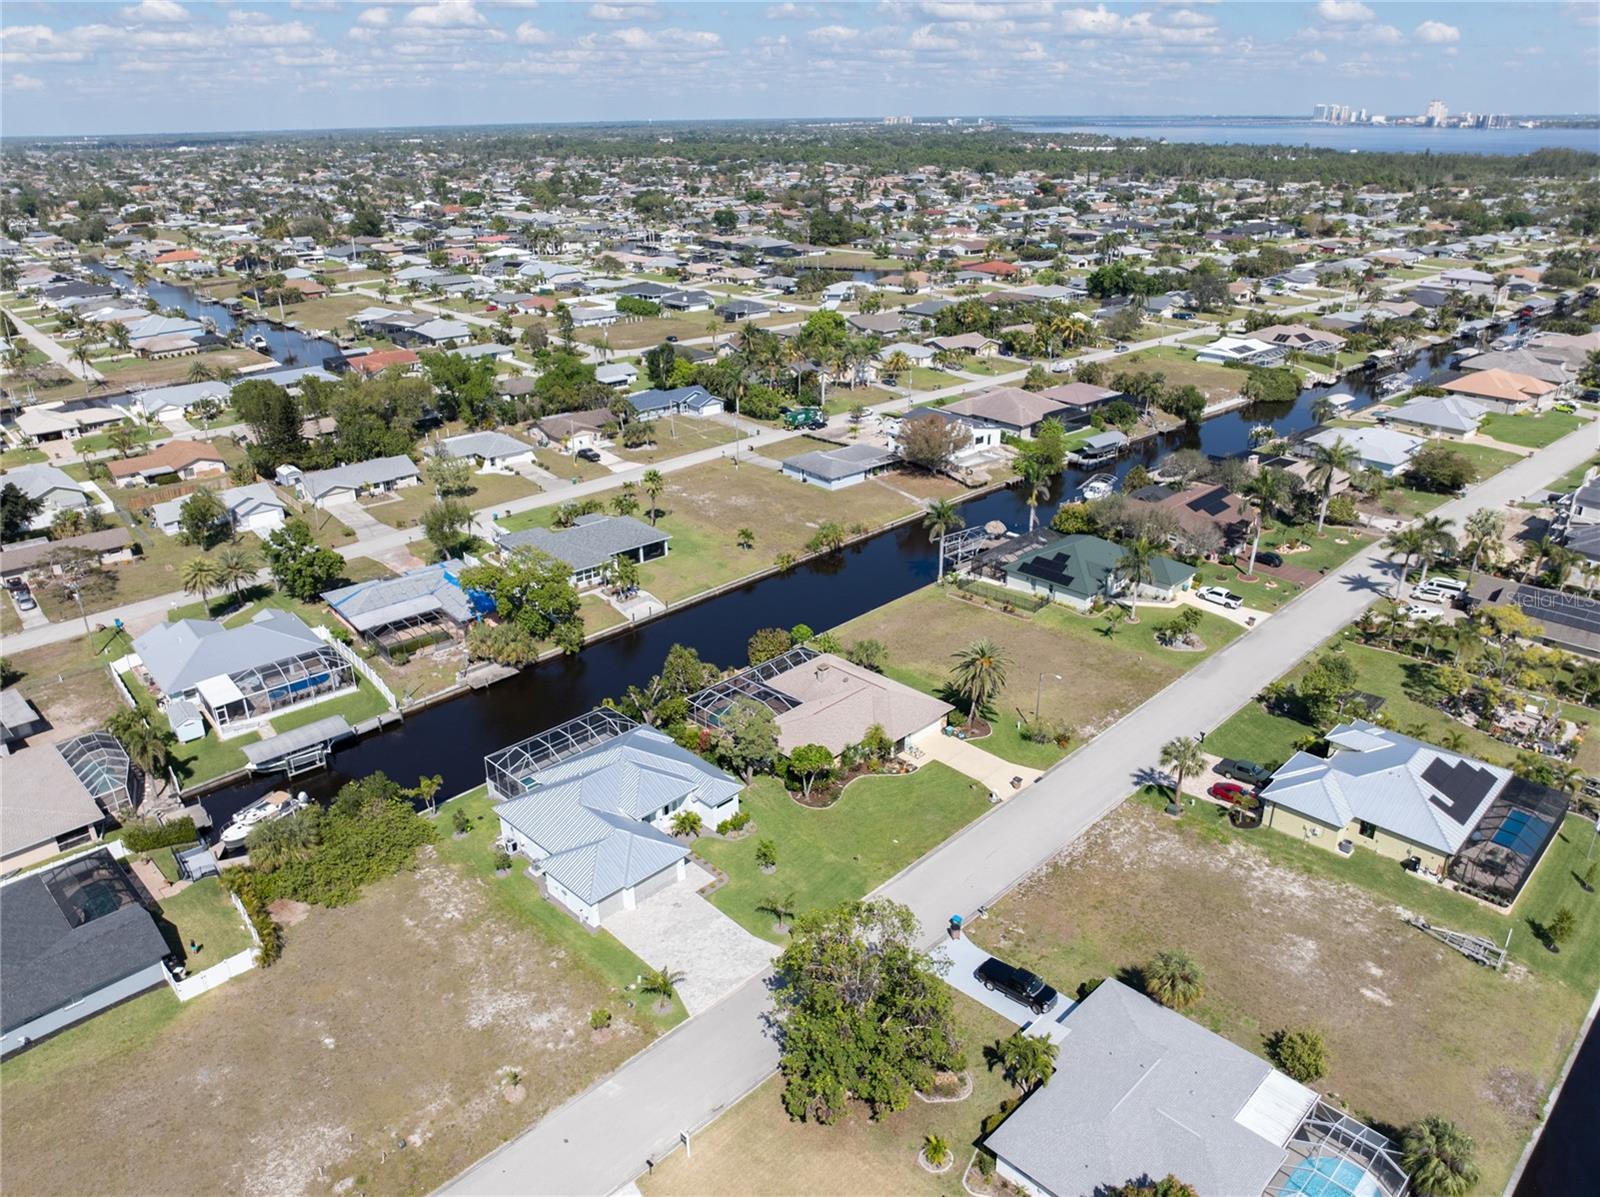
(166, 65)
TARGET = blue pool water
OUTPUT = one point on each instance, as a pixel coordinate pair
(1521, 832)
(1324, 1176)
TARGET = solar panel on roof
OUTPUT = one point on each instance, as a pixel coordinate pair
(1048, 569)
(1212, 503)
(1564, 610)
(1463, 786)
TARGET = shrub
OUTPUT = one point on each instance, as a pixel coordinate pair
(737, 823)
(985, 1164)
(767, 854)
(1301, 1054)
(147, 836)
(599, 1018)
(936, 1149)
(460, 821)
(993, 1121)
(1174, 979)
(1561, 926)
(502, 861)
(246, 885)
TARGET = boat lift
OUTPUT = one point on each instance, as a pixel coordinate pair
(301, 750)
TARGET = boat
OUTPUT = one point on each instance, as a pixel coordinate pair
(276, 805)
(1098, 486)
(1393, 384)
(258, 343)
(1262, 432)
(1341, 399)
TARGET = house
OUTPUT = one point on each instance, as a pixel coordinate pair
(592, 543)
(1246, 350)
(1079, 398)
(618, 375)
(183, 460)
(1140, 1091)
(1301, 338)
(160, 403)
(1382, 449)
(74, 940)
(917, 355)
(1209, 517)
(1411, 801)
(1503, 390)
(1010, 409)
(974, 343)
(438, 332)
(19, 719)
(58, 796)
(1532, 362)
(983, 440)
(742, 309)
(1078, 570)
(881, 324)
(589, 804)
(688, 401)
(241, 676)
(421, 605)
(51, 487)
(835, 469)
(498, 452)
(66, 421)
(1586, 501)
(109, 545)
(575, 430)
(1570, 622)
(372, 364)
(820, 698)
(1453, 416)
(344, 483)
(252, 508)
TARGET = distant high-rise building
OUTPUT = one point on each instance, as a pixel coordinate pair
(897, 120)
(1435, 113)
(1319, 112)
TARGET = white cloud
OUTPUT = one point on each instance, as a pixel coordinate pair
(1313, 57)
(530, 34)
(445, 14)
(156, 12)
(1382, 35)
(792, 12)
(20, 82)
(1344, 12)
(374, 18)
(635, 38)
(1436, 33)
(927, 37)
(629, 10)
(833, 35)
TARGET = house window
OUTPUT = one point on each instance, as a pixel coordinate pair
(1369, 830)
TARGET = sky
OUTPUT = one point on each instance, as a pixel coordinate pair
(69, 67)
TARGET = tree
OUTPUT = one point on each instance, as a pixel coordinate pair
(653, 484)
(746, 538)
(1136, 568)
(1302, 1055)
(865, 1014)
(1173, 978)
(274, 418)
(1408, 544)
(811, 763)
(1438, 467)
(503, 643)
(663, 982)
(766, 643)
(17, 512)
(123, 437)
(929, 443)
(1168, 1186)
(1484, 529)
(202, 518)
(448, 526)
(427, 790)
(1035, 487)
(530, 588)
(1561, 926)
(1439, 1156)
(687, 823)
(1028, 1061)
(1124, 323)
(941, 518)
(868, 654)
(978, 676)
(749, 738)
(449, 475)
(235, 568)
(200, 577)
(767, 856)
(1183, 756)
(147, 745)
(1328, 461)
(301, 568)
(658, 364)
(781, 908)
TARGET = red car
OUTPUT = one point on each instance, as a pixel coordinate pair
(1229, 791)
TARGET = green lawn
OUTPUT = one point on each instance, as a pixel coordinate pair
(202, 914)
(27, 455)
(106, 1037)
(1531, 431)
(100, 442)
(675, 437)
(199, 760)
(365, 703)
(876, 827)
(1574, 477)
(517, 897)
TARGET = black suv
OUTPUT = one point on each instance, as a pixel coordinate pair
(1016, 983)
(1248, 772)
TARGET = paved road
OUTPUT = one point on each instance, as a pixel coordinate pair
(600, 1141)
(56, 353)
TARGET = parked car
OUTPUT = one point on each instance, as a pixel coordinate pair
(1184, 316)
(1016, 983)
(1230, 792)
(1222, 596)
(1439, 590)
(1122, 348)
(672, 340)
(589, 455)
(24, 599)
(1269, 558)
(1420, 613)
(1566, 407)
(1248, 772)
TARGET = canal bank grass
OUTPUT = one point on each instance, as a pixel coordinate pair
(704, 507)
(1290, 935)
(877, 827)
(516, 896)
(757, 1148)
(140, 372)
(396, 1016)
(1101, 678)
(198, 761)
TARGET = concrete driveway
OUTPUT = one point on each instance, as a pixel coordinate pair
(353, 514)
(965, 957)
(680, 930)
(983, 767)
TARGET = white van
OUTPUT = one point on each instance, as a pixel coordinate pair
(1440, 590)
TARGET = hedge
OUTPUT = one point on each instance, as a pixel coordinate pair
(148, 836)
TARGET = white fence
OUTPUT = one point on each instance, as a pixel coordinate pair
(208, 979)
(361, 666)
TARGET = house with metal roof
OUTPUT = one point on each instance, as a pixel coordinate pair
(74, 940)
(590, 803)
(1453, 416)
(592, 543)
(1078, 570)
(1382, 449)
(242, 675)
(1141, 1091)
(498, 452)
(420, 606)
(253, 508)
(835, 469)
(1411, 801)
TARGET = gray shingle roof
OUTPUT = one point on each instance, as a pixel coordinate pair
(41, 798)
(181, 655)
(484, 444)
(846, 462)
(378, 472)
(591, 541)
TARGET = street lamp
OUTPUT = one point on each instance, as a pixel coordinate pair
(1038, 693)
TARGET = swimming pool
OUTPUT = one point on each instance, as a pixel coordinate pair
(1326, 1176)
(1521, 832)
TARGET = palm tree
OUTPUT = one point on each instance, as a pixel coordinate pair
(781, 908)
(1027, 1060)
(1136, 568)
(746, 538)
(979, 675)
(1035, 477)
(200, 576)
(1183, 756)
(1437, 541)
(234, 568)
(1174, 979)
(1483, 528)
(898, 364)
(940, 519)
(653, 484)
(1327, 463)
(663, 982)
(200, 372)
(147, 746)
(1409, 543)
(1323, 409)
(1438, 1154)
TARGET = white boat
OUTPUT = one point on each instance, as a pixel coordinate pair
(258, 343)
(1393, 384)
(276, 805)
(1262, 432)
(1097, 487)
(1341, 399)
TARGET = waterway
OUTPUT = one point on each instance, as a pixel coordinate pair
(1289, 131)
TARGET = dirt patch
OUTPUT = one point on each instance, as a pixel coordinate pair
(286, 912)
(380, 1046)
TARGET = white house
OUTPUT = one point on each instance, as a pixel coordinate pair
(253, 508)
(496, 452)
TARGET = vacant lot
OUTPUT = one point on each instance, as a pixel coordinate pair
(1180, 369)
(404, 507)
(1101, 678)
(877, 827)
(134, 371)
(398, 1017)
(1534, 432)
(676, 436)
(330, 313)
(1290, 935)
(756, 1148)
